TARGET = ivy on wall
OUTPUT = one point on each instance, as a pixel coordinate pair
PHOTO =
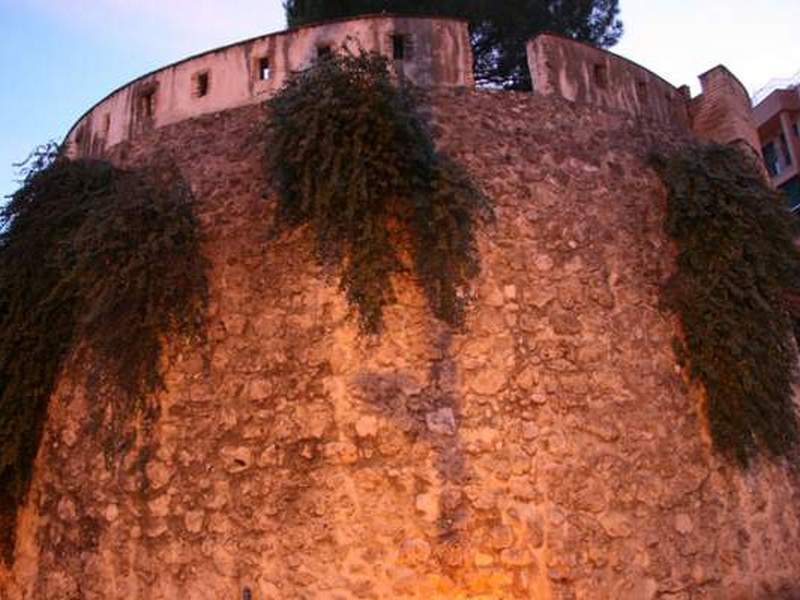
(736, 260)
(98, 263)
(353, 158)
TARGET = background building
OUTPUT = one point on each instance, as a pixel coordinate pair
(778, 119)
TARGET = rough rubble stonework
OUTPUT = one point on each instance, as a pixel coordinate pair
(551, 450)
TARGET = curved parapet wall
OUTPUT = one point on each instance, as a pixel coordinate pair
(427, 51)
(582, 73)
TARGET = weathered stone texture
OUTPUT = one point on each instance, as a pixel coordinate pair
(550, 450)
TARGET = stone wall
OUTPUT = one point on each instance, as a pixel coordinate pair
(436, 53)
(551, 450)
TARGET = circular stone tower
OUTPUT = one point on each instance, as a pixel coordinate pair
(552, 449)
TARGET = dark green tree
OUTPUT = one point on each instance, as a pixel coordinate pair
(498, 30)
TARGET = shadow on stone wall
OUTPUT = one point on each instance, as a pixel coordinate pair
(429, 412)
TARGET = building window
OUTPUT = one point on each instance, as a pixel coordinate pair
(202, 84)
(263, 68)
(792, 190)
(771, 159)
(787, 156)
(107, 124)
(399, 46)
(324, 52)
(601, 76)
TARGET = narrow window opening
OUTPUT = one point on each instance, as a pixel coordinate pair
(147, 104)
(641, 91)
(324, 52)
(399, 45)
(202, 84)
(771, 159)
(601, 76)
(787, 156)
(263, 68)
(107, 124)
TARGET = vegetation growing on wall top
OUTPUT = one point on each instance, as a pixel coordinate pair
(736, 260)
(98, 262)
(353, 158)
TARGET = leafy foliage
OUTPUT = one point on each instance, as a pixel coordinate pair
(353, 158)
(97, 261)
(736, 260)
(498, 30)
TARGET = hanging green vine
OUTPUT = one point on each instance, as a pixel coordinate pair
(353, 158)
(96, 261)
(736, 259)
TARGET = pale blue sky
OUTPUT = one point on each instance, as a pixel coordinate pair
(58, 57)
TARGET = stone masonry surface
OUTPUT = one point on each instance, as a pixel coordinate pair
(551, 450)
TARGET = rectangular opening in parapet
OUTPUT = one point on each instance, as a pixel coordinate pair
(601, 76)
(399, 46)
(202, 84)
(324, 51)
(641, 91)
(263, 68)
(146, 105)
